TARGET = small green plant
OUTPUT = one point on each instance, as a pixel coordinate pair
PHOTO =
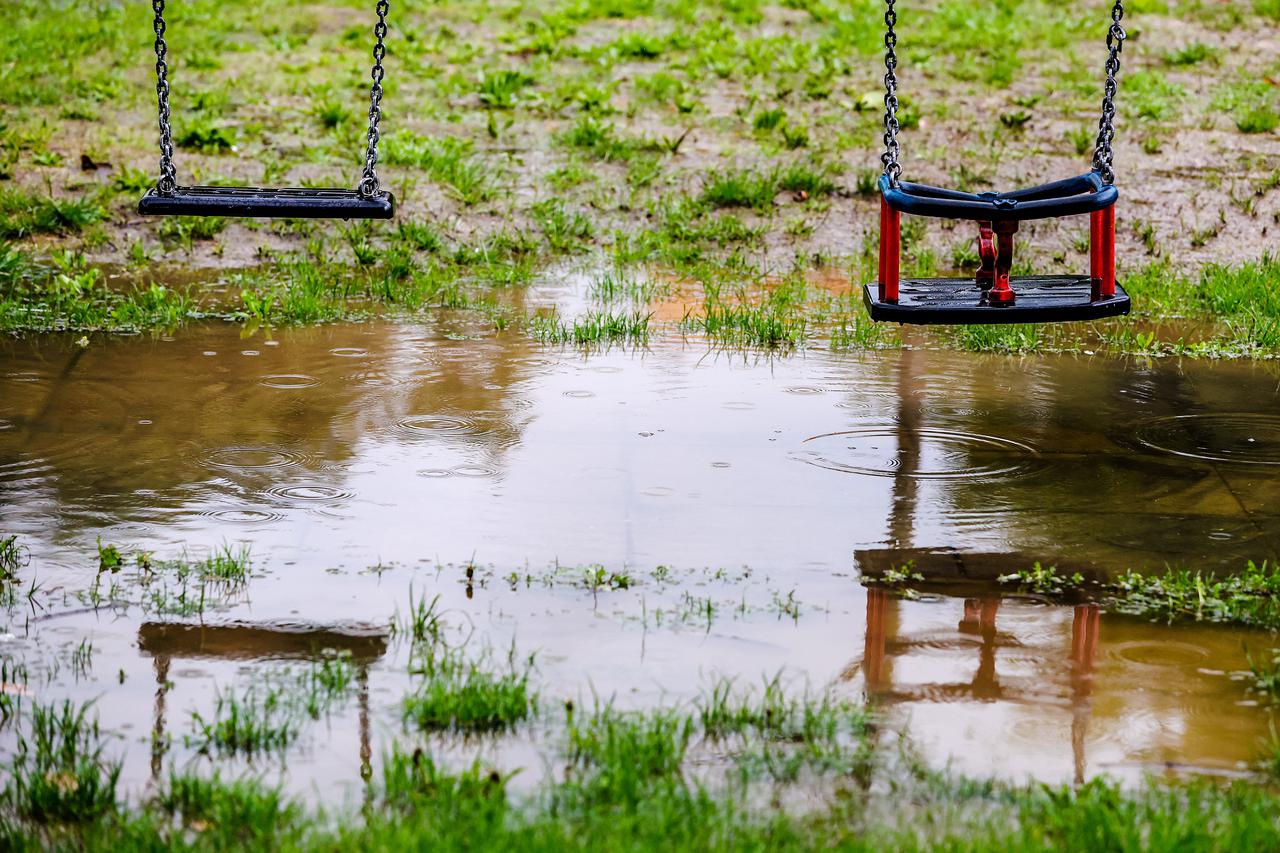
(597, 577)
(12, 558)
(109, 557)
(500, 89)
(1043, 580)
(206, 137)
(901, 575)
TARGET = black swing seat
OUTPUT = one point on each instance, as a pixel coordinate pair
(1040, 298)
(289, 203)
(953, 301)
(1070, 197)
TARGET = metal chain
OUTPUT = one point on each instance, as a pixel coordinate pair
(1102, 152)
(369, 186)
(891, 149)
(168, 180)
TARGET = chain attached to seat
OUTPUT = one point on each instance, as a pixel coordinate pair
(168, 181)
(1102, 152)
(892, 169)
(369, 186)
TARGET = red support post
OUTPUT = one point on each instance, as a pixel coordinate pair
(890, 251)
(986, 275)
(1095, 245)
(1108, 252)
(1001, 294)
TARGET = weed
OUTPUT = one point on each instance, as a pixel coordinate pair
(1043, 580)
(1250, 597)
(248, 722)
(59, 772)
(109, 557)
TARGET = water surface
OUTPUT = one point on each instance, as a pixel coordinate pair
(363, 462)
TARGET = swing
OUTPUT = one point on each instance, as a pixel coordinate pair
(990, 296)
(169, 198)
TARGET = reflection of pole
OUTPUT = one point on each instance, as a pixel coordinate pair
(1084, 648)
(366, 748)
(882, 618)
(980, 618)
(908, 455)
(157, 729)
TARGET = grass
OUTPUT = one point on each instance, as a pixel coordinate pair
(59, 773)
(1250, 597)
(458, 692)
(252, 721)
(645, 131)
(685, 778)
(12, 558)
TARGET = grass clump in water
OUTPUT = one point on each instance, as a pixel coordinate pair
(1251, 597)
(248, 722)
(12, 558)
(455, 691)
(597, 327)
(59, 773)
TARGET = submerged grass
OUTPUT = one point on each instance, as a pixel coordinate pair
(659, 779)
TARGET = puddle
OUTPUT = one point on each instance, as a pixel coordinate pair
(363, 462)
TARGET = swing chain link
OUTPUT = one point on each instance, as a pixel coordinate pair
(167, 183)
(369, 185)
(1102, 153)
(891, 148)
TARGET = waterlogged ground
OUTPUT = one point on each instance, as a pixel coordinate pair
(644, 522)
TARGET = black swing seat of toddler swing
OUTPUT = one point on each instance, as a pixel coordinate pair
(293, 203)
(1039, 298)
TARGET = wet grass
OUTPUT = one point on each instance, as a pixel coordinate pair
(659, 779)
(1249, 597)
(670, 135)
(458, 690)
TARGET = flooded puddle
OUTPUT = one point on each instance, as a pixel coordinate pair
(740, 497)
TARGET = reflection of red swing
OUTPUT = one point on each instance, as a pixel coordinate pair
(882, 642)
(989, 297)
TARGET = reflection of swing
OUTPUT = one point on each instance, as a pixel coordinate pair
(952, 573)
(165, 641)
(367, 201)
(989, 297)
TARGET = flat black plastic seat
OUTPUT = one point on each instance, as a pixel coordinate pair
(959, 301)
(1083, 194)
(290, 203)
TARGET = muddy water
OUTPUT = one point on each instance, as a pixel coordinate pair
(363, 462)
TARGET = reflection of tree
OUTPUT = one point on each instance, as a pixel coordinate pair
(139, 423)
(166, 641)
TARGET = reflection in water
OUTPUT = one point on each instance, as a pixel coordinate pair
(418, 450)
(1151, 711)
(166, 641)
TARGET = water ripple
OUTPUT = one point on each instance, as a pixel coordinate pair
(1247, 439)
(941, 454)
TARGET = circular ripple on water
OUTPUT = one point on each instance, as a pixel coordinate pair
(349, 352)
(1162, 653)
(943, 454)
(289, 381)
(5, 425)
(420, 425)
(251, 458)
(243, 516)
(1248, 439)
(309, 493)
(475, 471)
